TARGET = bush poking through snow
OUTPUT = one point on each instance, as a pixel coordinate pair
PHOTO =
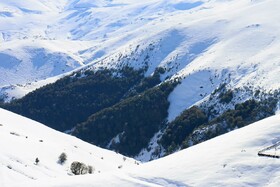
(226, 97)
(78, 168)
(90, 169)
(62, 158)
(37, 161)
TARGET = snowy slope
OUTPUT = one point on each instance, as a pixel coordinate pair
(24, 140)
(202, 42)
(27, 52)
(206, 42)
(228, 160)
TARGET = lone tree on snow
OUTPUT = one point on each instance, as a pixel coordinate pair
(37, 161)
(62, 158)
(78, 168)
(90, 169)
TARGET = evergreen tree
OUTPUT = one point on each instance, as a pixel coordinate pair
(62, 158)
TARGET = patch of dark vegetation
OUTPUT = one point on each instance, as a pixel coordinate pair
(100, 105)
(181, 127)
(135, 120)
(193, 126)
(72, 99)
(2, 100)
(147, 83)
(243, 114)
(226, 97)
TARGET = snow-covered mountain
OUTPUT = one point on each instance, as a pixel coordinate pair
(222, 55)
(228, 160)
(24, 140)
(206, 42)
(206, 45)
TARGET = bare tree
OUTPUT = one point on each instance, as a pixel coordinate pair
(79, 168)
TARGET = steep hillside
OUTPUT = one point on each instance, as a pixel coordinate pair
(24, 140)
(223, 54)
(73, 98)
(198, 40)
(50, 38)
(228, 160)
(117, 109)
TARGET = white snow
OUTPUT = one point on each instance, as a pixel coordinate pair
(24, 140)
(204, 43)
(192, 89)
(186, 36)
(228, 160)
(242, 53)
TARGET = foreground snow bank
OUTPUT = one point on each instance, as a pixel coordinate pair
(228, 160)
(24, 140)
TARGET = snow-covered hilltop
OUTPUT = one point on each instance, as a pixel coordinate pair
(24, 140)
(208, 42)
(228, 160)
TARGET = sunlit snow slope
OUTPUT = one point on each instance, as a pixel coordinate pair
(228, 160)
(206, 42)
(24, 140)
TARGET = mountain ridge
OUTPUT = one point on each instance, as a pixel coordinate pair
(202, 39)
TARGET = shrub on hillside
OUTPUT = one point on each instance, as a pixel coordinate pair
(90, 169)
(79, 168)
(62, 158)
